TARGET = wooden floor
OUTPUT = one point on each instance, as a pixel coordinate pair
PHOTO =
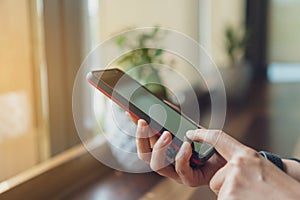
(267, 119)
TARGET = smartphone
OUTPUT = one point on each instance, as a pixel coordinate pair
(140, 102)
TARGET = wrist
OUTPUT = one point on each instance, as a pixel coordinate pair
(292, 168)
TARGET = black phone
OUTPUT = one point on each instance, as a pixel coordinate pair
(142, 103)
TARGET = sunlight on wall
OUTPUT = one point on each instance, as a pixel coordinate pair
(116, 16)
(14, 114)
(223, 14)
(18, 127)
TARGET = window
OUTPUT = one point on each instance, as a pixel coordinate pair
(284, 40)
(42, 46)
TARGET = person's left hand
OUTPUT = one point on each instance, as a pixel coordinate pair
(152, 150)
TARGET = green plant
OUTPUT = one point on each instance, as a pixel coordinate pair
(143, 59)
(235, 43)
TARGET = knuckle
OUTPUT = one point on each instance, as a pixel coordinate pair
(161, 174)
(236, 182)
(255, 157)
(144, 157)
(190, 181)
(179, 181)
(231, 192)
(154, 166)
(251, 153)
(192, 184)
(214, 186)
(180, 169)
(248, 156)
(238, 161)
(244, 156)
(231, 195)
(237, 171)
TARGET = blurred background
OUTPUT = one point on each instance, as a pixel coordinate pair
(254, 43)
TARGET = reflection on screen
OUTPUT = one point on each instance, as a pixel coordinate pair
(157, 110)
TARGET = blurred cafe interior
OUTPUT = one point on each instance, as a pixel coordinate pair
(46, 154)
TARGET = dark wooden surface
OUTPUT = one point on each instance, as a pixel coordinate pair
(275, 125)
(117, 186)
(267, 119)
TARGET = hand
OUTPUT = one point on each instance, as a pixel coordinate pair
(292, 168)
(152, 149)
(246, 175)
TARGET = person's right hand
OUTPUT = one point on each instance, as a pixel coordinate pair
(247, 175)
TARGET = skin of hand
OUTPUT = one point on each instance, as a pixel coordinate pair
(235, 171)
(292, 168)
(152, 149)
(246, 174)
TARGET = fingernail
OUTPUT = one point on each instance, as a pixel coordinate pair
(140, 126)
(164, 137)
(190, 133)
(140, 123)
(186, 139)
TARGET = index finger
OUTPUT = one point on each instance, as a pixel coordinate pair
(133, 118)
(226, 145)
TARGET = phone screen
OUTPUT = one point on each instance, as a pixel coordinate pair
(159, 111)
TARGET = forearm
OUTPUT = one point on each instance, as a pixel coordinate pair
(292, 168)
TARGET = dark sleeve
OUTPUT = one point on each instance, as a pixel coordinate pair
(295, 159)
(274, 158)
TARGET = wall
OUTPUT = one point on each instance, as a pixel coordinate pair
(116, 16)
(224, 13)
(18, 136)
(183, 16)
